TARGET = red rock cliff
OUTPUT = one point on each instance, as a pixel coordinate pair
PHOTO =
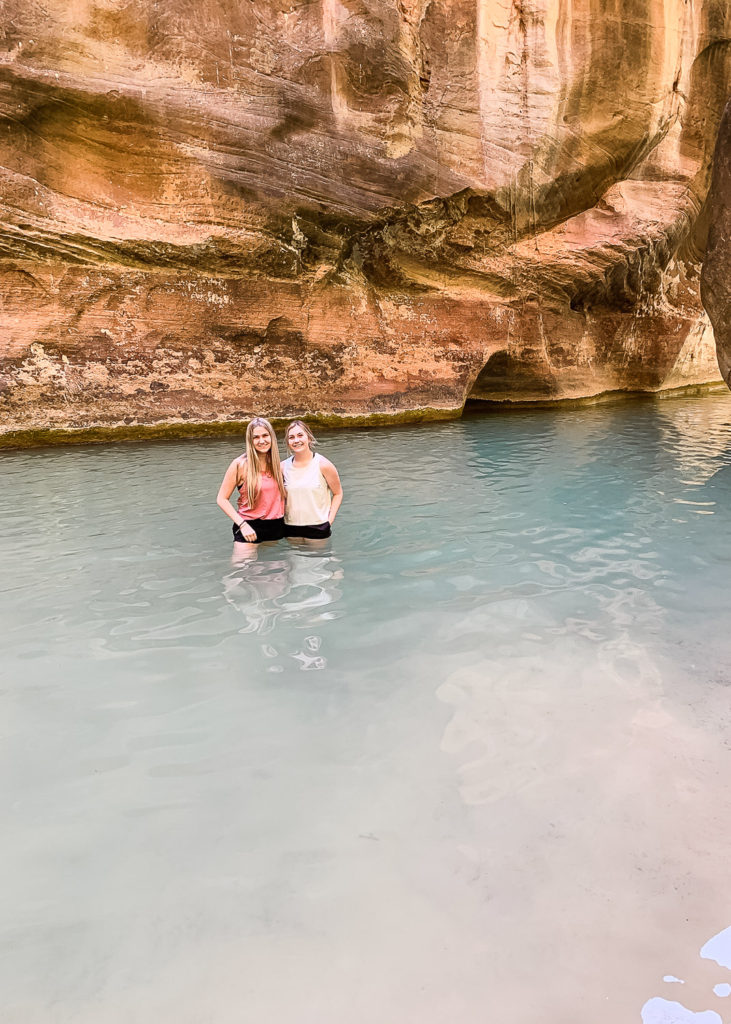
(357, 207)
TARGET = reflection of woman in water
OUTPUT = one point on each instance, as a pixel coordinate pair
(258, 476)
(288, 600)
(314, 493)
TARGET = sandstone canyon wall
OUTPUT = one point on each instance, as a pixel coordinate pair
(350, 207)
(716, 273)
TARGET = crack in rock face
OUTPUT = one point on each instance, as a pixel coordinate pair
(353, 207)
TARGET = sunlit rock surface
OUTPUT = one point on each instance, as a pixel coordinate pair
(350, 208)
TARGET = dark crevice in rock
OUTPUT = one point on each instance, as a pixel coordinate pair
(505, 376)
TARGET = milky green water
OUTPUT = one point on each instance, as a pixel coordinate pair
(468, 763)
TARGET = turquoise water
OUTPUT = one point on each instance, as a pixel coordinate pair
(470, 759)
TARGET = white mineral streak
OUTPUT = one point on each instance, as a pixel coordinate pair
(679, 26)
(518, 79)
(409, 126)
(334, 14)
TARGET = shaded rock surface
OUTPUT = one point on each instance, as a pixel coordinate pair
(716, 274)
(355, 207)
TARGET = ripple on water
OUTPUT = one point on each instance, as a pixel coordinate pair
(489, 716)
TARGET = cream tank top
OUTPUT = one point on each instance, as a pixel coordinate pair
(308, 496)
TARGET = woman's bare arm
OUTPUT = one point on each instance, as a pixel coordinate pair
(333, 482)
(223, 499)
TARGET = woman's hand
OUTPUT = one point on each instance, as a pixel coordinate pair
(246, 532)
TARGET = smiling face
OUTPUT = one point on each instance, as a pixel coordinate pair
(262, 440)
(297, 440)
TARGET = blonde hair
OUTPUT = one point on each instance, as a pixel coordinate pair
(298, 423)
(256, 464)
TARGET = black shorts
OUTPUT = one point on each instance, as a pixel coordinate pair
(309, 532)
(265, 529)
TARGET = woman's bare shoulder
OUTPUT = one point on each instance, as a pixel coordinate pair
(239, 464)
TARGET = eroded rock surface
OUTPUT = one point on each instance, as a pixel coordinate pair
(716, 275)
(352, 207)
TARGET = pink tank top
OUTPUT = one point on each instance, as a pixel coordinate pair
(269, 503)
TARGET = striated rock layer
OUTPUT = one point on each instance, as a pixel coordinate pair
(716, 274)
(350, 207)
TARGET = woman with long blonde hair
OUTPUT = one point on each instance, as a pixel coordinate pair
(259, 515)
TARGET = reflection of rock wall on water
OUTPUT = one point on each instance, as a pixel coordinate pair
(355, 207)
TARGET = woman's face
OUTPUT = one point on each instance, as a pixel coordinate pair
(262, 440)
(298, 440)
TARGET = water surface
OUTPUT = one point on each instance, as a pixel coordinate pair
(469, 762)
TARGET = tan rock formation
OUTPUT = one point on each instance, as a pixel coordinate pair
(716, 275)
(350, 206)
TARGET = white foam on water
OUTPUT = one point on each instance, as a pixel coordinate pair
(663, 1011)
(719, 948)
